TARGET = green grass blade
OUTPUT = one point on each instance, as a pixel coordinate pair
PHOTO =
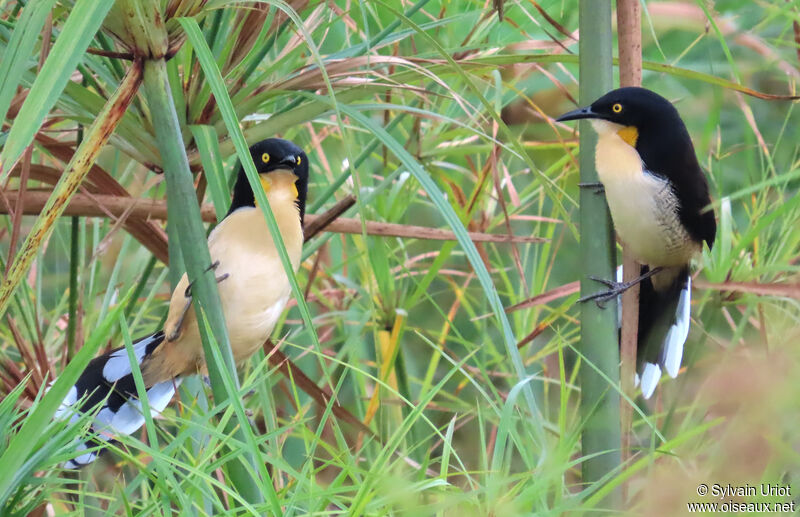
(470, 251)
(21, 445)
(85, 18)
(208, 147)
(17, 54)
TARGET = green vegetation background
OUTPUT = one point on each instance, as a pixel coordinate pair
(466, 103)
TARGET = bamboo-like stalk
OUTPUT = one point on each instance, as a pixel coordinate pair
(629, 42)
(599, 398)
(188, 227)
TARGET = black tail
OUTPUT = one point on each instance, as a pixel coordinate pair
(664, 318)
(107, 381)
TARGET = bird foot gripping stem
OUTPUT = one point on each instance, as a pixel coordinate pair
(595, 186)
(615, 288)
(175, 334)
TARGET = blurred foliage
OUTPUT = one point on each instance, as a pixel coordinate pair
(465, 102)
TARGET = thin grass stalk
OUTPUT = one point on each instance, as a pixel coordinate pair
(73, 176)
(74, 253)
(599, 397)
(189, 230)
(72, 304)
(629, 42)
(140, 285)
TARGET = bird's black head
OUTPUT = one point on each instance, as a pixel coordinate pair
(630, 107)
(270, 155)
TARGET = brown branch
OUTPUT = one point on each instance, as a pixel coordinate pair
(549, 296)
(324, 220)
(759, 289)
(781, 290)
(128, 56)
(99, 205)
(630, 42)
(629, 34)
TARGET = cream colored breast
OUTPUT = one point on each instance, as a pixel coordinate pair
(256, 291)
(643, 206)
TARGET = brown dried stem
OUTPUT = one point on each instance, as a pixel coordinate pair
(137, 208)
(629, 36)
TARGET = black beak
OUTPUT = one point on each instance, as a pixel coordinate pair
(290, 161)
(578, 114)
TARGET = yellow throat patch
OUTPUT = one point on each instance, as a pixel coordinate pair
(629, 134)
(266, 184)
(279, 183)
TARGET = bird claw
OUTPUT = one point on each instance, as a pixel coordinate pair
(614, 288)
(600, 298)
(611, 284)
(596, 186)
(214, 265)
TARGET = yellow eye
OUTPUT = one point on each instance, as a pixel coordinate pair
(299, 161)
(265, 157)
(616, 108)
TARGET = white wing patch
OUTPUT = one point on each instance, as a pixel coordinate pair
(69, 400)
(118, 365)
(160, 394)
(678, 332)
(104, 418)
(129, 417)
(83, 459)
(650, 377)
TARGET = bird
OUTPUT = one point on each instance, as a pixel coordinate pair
(253, 287)
(659, 201)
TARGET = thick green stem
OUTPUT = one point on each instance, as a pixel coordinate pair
(188, 225)
(599, 346)
(176, 265)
